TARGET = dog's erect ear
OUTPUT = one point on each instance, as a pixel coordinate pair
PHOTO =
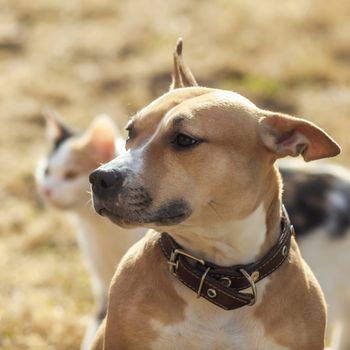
(182, 75)
(100, 139)
(289, 136)
(56, 130)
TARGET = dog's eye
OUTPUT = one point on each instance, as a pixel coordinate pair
(70, 175)
(184, 141)
(129, 129)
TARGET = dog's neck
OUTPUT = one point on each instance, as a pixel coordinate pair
(235, 241)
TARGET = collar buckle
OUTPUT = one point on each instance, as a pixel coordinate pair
(174, 262)
(251, 281)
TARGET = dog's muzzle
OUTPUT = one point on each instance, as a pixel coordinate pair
(130, 203)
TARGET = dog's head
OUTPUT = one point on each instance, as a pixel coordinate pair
(196, 155)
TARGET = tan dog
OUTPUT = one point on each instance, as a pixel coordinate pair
(227, 212)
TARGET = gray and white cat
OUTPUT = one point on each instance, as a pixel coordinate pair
(62, 179)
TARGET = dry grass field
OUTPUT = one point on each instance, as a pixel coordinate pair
(93, 56)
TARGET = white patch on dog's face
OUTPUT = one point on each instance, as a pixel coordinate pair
(134, 162)
(61, 183)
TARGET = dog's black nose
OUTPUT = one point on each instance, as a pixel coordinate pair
(106, 181)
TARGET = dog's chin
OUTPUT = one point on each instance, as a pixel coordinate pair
(117, 219)
(170, 214)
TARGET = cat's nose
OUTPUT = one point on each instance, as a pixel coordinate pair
(106, 181)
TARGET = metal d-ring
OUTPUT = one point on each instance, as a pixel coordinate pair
(252, 286)
(202, 282)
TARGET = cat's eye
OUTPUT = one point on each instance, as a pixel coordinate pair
(47, 171)
(70, 175)
(184, 141)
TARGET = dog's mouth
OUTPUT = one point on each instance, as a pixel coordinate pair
(104, 212)
(171, 213)
(114, 217)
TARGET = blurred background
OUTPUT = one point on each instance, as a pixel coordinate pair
(105, 56)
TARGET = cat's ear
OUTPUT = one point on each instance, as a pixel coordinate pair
(289, 136)
(56, 130)
(182, 75)
(100, 138)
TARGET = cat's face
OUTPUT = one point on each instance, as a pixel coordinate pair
(62, 176)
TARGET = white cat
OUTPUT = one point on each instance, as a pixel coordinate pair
(62, 179)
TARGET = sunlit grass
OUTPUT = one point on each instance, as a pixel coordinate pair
(85, 58)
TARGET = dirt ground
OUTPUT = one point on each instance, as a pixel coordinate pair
(93, 56)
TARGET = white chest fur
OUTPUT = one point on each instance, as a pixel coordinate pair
(207, 327)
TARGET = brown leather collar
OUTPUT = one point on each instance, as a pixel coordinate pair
(222, 285)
